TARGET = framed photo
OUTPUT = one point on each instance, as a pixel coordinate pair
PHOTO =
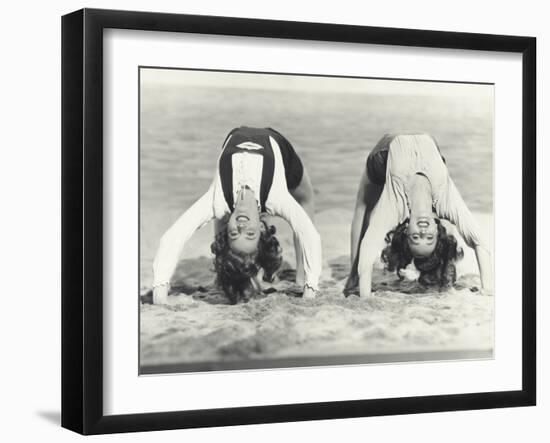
(270, 221)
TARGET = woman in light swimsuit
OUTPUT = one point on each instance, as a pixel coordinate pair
(405, 190)
(258, 174)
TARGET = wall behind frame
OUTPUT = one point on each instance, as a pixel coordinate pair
(30, 183)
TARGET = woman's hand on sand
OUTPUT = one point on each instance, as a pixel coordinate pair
(308, 292)
(486, 291)
(160, 295)
(364, 287)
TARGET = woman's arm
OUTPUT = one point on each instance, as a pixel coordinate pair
(384, 217)
(358, 219)
(304, 195)
(309, 240)
(172, 242)
(453, 208)
(368, 195)
(485, 263)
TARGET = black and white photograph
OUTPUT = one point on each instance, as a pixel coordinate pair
(299, 220)
(270, 222)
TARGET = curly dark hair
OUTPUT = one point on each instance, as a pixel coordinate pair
(437, 269)
(234, 270)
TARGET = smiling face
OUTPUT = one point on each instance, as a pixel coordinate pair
(243, 231)
(422, 236)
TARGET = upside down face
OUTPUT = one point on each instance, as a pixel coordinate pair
(244, 230)
(422, 235)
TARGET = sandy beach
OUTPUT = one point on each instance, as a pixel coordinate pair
(199, 330)
(333, 128)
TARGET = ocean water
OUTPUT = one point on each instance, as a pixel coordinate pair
(182, 130)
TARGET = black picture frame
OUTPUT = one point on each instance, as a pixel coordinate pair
(82, 220)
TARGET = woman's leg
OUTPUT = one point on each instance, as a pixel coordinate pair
(303, 194)
(367, 197)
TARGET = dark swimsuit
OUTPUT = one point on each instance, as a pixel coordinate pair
(294, 169)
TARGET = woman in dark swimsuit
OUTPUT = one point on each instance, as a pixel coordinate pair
(258, 174)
